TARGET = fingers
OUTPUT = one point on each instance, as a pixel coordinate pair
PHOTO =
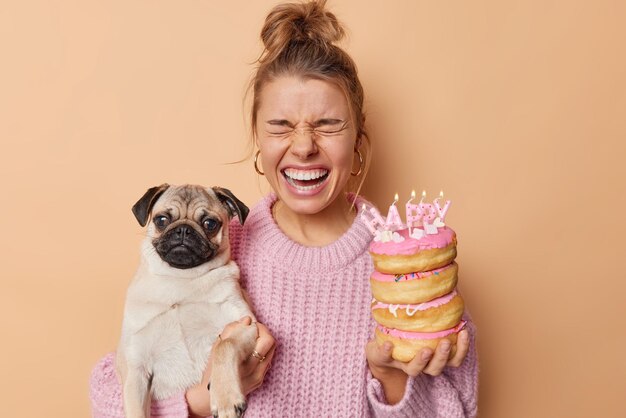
(462, 348)
(230, 328)
(419, 362)
(246, 320)
(265, 341)
(255, 368)
(255, 379)
(379, 356)
(426, 361)
(440, 358)
(264, 345)
(379, 360)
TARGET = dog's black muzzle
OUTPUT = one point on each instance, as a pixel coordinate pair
(184, 248)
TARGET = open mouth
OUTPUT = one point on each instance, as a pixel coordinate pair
(305, 180)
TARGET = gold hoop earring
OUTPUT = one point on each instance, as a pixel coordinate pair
(358, 152)
(256, 167)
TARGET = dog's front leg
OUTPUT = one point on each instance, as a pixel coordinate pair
(136, 387)
(227, 397)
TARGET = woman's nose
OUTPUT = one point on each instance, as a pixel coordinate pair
(303, 143)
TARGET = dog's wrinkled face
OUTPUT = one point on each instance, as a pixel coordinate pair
(188, 223)
(188, 227)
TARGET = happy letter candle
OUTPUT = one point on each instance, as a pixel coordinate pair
(394, 222)
(413, 213)
(429, 214)
(408, 211)
(442, 211)
(373, 223)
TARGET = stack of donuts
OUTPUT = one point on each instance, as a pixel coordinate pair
(416, 303)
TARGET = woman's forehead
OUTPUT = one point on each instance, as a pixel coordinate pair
(297, 97)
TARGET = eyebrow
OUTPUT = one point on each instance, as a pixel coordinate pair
(317, 123)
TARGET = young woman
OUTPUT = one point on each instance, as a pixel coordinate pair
(303, 254)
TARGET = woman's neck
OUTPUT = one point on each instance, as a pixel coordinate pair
(315, 230)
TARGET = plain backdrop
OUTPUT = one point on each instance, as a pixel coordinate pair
(516, 109)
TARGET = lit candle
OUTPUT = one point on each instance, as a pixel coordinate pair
(394, 222)
(375, 221)
(442, 211)
(429, 214)
(408, 211)
(413, 213)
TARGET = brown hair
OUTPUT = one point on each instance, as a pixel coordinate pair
(298, 40)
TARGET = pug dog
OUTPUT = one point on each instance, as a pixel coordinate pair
(184, 292)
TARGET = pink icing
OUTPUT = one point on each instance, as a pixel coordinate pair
(411, 245)
(419, 307)
(407, 335)
(382, 277)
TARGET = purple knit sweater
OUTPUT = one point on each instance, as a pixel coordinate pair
(316, 303)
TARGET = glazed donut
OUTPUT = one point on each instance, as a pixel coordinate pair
(406, 345)
(438, 314)
(414, 255)
(414, 287)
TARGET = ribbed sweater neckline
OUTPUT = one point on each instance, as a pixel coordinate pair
(280, 247)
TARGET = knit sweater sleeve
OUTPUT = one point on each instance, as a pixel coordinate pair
(105, 393)
(454, 393)
(235, 237)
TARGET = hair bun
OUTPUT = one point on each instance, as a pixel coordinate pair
(299, 22)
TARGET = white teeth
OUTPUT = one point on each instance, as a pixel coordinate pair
(303, 188)
(291, 174)
(305, 174)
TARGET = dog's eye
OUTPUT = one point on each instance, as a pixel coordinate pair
(210, 224)
(161, 221)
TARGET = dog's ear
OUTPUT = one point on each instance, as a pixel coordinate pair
(142, 208)
(232, 204)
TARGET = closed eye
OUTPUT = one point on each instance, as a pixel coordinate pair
(322, 127)
(279, 127)
(330, 127)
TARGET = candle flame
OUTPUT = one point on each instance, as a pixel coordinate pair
(395, 198)
(423, 193)
(441, 194)
(364, 206)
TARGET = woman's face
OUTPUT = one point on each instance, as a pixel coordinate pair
(307, 138)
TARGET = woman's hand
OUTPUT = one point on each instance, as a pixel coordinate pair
(252, 371)
(393, 373)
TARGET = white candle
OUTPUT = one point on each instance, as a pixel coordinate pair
(394, 222)
(429, 214)
(377, 217)
(408, 211)
(413, 213)
(372, 223)
(442, 211)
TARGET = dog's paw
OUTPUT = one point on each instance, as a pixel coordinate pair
(228, 403)
(241, 408)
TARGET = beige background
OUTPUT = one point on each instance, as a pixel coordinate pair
(515, 108)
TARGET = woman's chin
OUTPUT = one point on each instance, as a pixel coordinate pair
(305, 203)
(302, 205)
